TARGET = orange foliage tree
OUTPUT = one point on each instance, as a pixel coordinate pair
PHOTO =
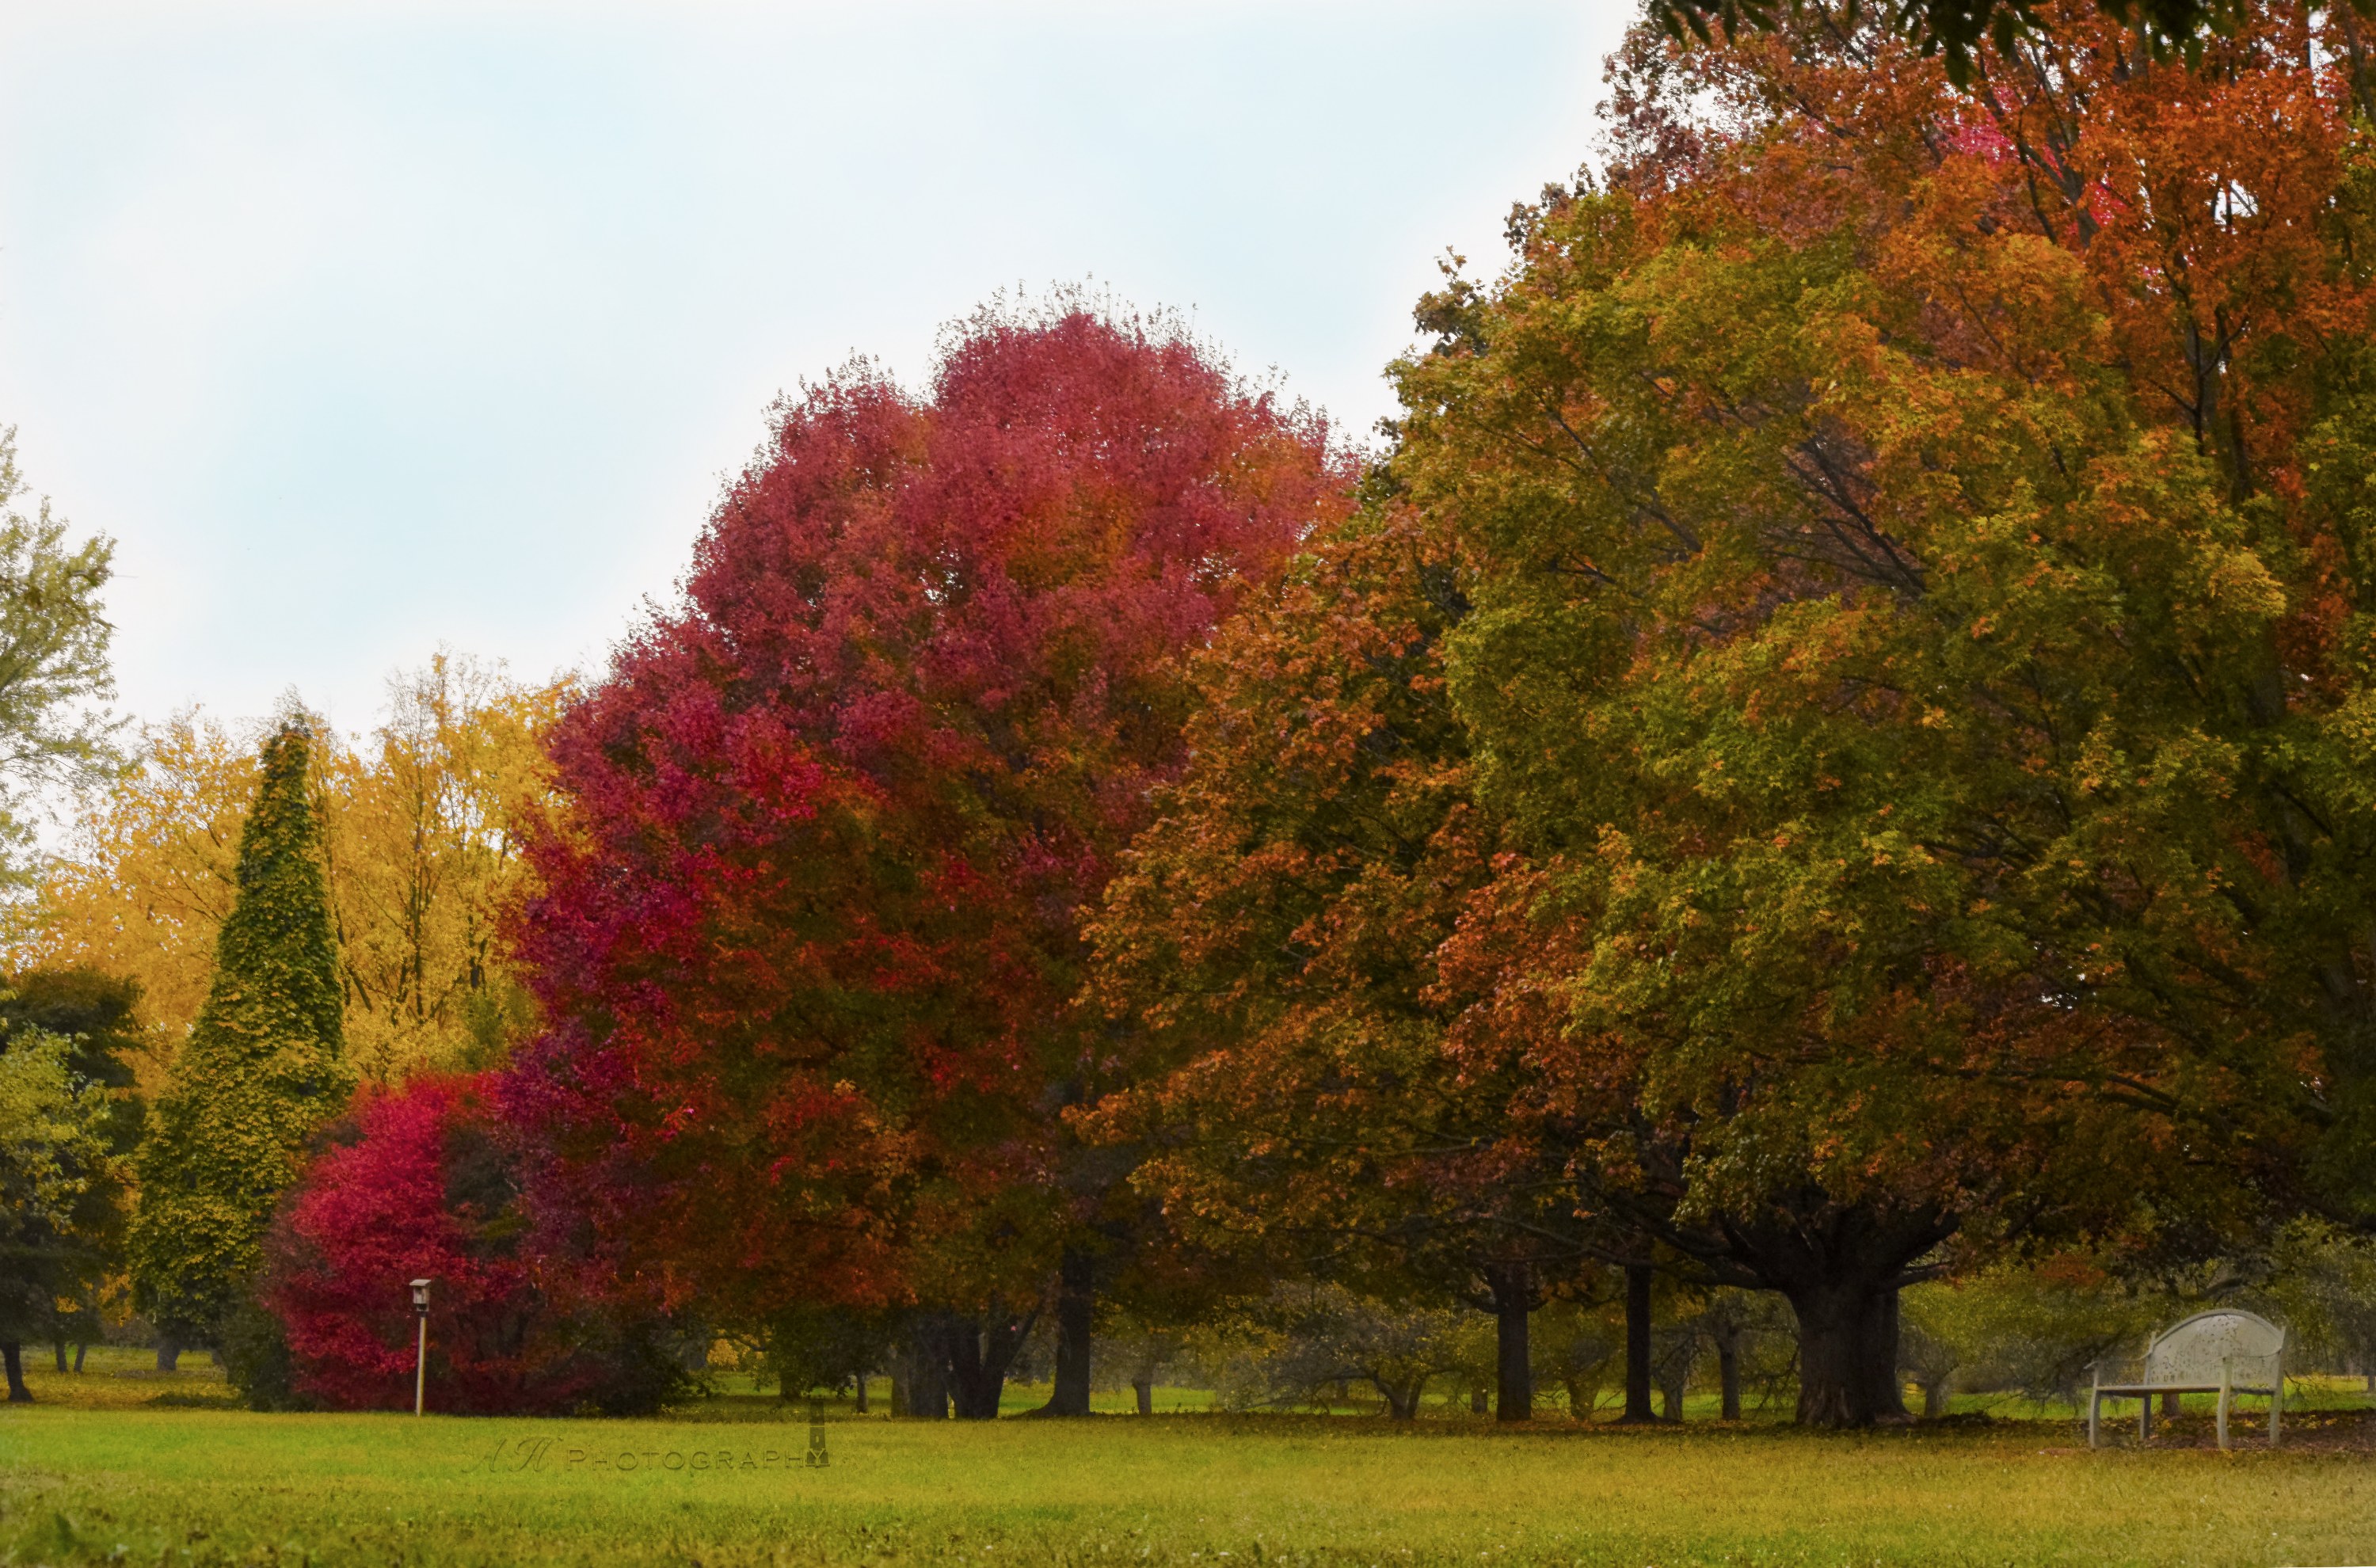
(1286, 1060)
(1918, 638)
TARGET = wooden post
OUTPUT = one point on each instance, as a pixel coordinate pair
(421, 1347)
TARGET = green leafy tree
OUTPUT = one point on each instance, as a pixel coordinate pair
(54, 1269)
(264, 1067)
(59, 1183)
(53, 665)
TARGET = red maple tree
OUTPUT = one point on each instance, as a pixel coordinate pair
(811, 930)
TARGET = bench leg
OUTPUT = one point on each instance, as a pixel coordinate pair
(2095, 1413)
(2276, 1407)
(2223, 1420)
(2144, 1419)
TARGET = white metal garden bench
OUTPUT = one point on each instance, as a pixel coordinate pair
(2222, 1351)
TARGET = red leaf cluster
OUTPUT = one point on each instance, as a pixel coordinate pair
(811, 929)
(425, 1190)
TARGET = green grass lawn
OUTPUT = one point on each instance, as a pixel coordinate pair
(96, 1473)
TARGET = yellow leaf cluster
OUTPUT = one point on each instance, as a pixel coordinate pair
(423, 821)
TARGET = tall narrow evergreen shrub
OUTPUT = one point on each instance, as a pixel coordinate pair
(263, 1068)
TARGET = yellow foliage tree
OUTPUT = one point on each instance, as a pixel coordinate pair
(421, 825)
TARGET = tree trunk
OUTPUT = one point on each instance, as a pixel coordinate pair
(82, 1347)
(1513, 1285)
(861, 1391)
(168, 1354)
(1846, 1331)
(1402, 1404)
(1728, 1370)
(1480, 1402)
(1637, 1343)
(1145, 1388)
(1671, 1389)
(12, 1355)
(1075, 1307)
(980, 1357)
(1881, 1361)
(1934, 1398)
(2170, 1404)
(1580, 1397)
(60, 1345)
(928, 1370)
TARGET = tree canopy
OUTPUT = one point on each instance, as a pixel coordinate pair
(810, 928)
(1915, 642)
(1965, 34)
(54, 668)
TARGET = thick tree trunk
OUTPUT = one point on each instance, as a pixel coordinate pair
(168, 1354)
(860, 1404)
(2170, 1404)
(12, 1355)
(1934, 1398)
(1847, 1333)
(1513, 1285)
(1637, 1343)
(60, 1345)
(1837, 1265)
(1145, 1388)
(1075, 1310)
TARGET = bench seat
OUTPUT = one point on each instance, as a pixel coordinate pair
(2223, 1351)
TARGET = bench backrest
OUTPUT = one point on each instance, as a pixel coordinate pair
(2192, 1351)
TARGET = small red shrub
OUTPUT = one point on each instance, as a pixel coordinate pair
(422, 1185)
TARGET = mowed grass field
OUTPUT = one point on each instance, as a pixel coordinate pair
(93, 1473)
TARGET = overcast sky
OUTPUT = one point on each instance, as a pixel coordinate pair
(364, 329)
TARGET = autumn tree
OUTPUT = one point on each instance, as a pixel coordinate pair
(424, 832)
(1955, 31)
(264, 1067)
(1915, 637)
(1289, 1066)
(422, 825)
(811, 925)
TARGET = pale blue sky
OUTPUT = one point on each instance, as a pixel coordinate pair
(365, 328)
